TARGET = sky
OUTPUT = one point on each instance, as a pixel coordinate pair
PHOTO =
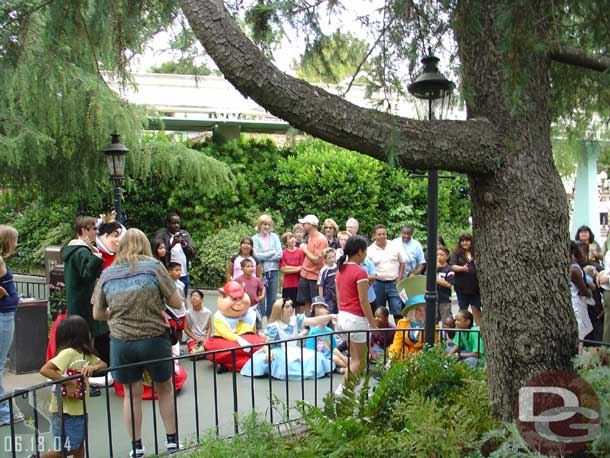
(293, 44)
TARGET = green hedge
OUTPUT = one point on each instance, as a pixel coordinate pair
(309, 177)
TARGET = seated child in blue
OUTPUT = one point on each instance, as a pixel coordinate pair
(324, 344)
(287, 360)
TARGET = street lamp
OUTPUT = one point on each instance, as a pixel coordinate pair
(115, 158)
(432, 87)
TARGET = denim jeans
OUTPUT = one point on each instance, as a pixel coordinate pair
(7, 330)
(271, 281)
(386, 291)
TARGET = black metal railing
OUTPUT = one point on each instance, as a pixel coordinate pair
(228, 398)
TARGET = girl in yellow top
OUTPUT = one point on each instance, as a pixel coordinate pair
(74, 351)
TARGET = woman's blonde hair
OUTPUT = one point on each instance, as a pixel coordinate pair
(276, 310)
(331, 222)
(8, 239)
(265, 218)
(134, 245)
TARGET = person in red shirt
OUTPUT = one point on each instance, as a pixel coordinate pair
(354, 309)
(290, 265)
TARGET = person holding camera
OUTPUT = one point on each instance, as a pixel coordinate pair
(179, 246)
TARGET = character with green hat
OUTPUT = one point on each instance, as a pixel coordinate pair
(411, 290)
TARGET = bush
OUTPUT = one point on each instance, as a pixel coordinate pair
(430, 406)
(39, 226)
(210, 266)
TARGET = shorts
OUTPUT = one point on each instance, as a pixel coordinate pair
(124, 352)
(74, 427)
(290, 293)
(443, 311)
(350, 322)
(308, 289)
(464, 300)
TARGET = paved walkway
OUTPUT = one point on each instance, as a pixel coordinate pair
(195, 407)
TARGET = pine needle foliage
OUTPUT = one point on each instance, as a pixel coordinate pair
(57, 110)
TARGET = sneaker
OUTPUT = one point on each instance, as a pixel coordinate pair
(17, 418)
(139, 453)
(173, 447)
(94, 391)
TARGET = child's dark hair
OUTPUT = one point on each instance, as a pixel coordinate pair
(73, 332)
(578, 249)
(247, 239)
(467, 315)
(245, 261)
(584, 228)
(173, 265)
(198, 292)
(459, 251)
(353, 245)
(384, 311)
(443, 249)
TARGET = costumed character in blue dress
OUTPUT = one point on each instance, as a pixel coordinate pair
(288, 360)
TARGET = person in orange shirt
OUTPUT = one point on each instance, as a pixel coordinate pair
(310, 271)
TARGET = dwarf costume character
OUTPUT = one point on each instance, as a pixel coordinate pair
(234, 327)
(409, 335)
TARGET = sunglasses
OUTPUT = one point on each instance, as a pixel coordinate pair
(328, 227)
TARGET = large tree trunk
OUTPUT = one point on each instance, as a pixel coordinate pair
(520, 216)
(519, 206)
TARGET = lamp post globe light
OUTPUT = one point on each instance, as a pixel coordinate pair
(115, 159)
(433, 93)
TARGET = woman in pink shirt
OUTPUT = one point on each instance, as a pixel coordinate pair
(354, 309)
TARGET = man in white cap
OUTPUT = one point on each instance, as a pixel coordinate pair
(316, 243)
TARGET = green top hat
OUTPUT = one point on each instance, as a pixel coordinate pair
(411, 290)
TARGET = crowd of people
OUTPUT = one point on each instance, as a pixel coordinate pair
(125, 293)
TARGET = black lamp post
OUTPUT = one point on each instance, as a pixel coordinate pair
(433, 92)
(115, 158)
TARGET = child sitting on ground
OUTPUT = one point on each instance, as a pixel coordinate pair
(175, 272)
(287, 360)
(198, 325)
(74, 354)
(324, 344)
(380, 340)
(467, 346)
(326, 279)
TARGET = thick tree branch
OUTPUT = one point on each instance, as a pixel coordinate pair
(463, 146)
(579, 58)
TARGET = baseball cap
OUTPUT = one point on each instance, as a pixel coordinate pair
(311, 219)
(319, 300)
(233, 289)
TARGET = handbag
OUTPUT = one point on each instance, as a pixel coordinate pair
(172, 333)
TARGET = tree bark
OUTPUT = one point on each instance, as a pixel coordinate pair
(519, 205)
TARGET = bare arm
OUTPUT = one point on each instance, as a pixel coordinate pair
(418, 269)
(290, 269)
(229, 274)
(2, 267)
(576, 278)
(401, 270)
(175, 300)
(363, 296)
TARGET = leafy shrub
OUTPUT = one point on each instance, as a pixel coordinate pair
(430, 406)
(39, 226)
(210, 266)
